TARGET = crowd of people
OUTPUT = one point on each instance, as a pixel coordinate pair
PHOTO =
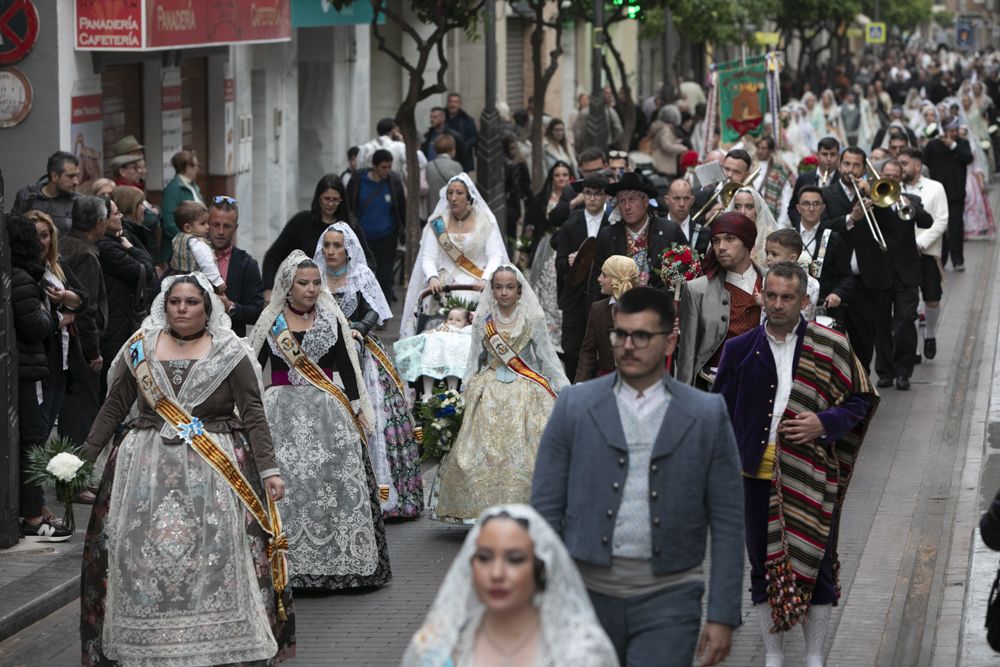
(650, 362)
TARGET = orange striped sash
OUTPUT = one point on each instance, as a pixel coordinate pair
(450, 249)
(509, 357)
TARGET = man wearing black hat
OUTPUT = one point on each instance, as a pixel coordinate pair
(721, 304)
(639, 234)
(573, 263)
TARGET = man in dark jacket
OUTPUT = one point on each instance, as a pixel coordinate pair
(439, 128)
(638, 235)
(377, 197)
(244, 297)
(573, 270)
(81, 256)
(462, 123)
(947, 158)
(54, 193)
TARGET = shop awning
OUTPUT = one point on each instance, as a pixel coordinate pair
(149, 25)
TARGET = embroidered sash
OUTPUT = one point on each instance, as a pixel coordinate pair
(384, 361)
(450, 249)
(509, 357)
(817, 263)
(811, 479)
(193, 433)
(297, 358)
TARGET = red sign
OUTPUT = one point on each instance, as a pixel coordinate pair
(109, 24)
(164, 24)
(86, 108)
(18, 30)
(172, 23)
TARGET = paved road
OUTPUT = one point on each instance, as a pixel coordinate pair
(906, 536)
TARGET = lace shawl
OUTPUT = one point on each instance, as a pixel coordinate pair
(359, 276)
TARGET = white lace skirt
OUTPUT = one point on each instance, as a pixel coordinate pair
(182, 590)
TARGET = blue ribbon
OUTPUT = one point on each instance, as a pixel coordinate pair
(188, 431)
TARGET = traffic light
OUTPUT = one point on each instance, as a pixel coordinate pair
(633, 8)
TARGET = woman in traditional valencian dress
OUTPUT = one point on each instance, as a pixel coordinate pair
(176, 569)
(336, 536)
(393, 448)
(511, 385)
(461, 245)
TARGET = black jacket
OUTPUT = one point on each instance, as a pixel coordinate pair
(53, 344)
(462, 153)
(60, 209)
(302, 232)
(989, 524)
(129, 275)
(245, 289)
(809, 178)
(540, 221)
(835, 276)
(948, 166)
(611, 241)
(838, 206)
(902, 253)
(570, 238)
(33, 323)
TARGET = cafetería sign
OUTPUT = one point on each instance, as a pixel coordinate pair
(140, 25)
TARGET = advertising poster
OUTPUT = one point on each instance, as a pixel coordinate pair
(173, 119)
(87, 128)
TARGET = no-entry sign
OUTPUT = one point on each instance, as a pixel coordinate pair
(18, 30)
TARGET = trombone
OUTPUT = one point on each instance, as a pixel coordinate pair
(889, 194)
(725, 192)
(869, 216)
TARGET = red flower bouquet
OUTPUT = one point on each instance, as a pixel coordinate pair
(808, 164)
(679, 264)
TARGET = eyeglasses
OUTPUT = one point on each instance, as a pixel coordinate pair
(330, 200)
(223, 200)
(640, 339)
(591, 194)
(810, 204)
(617, 155)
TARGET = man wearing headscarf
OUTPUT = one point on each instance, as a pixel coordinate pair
(721, 304)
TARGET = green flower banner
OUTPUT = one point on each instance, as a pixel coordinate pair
(743, 98)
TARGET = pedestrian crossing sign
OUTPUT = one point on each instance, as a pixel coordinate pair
(875, 33)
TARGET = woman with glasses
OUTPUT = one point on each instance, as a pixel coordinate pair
(302, 231)
(510, 388)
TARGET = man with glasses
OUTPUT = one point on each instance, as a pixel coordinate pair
(639, 234)
(828, 257)
(800, 404)
(244, 297)
(635, 503)
(583, 224)
(722, 304)
(828, 156)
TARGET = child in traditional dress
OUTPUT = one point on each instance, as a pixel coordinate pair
(438, 354)
(785, 245)
(192, 251)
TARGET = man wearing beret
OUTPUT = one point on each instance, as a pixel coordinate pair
(721, 304)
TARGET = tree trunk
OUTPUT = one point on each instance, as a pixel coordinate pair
(622, 94)
(407, 121)
(537, 110)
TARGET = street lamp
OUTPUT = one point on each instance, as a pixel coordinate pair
(597, 125)
(490, 172)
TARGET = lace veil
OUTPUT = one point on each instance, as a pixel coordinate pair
(486, 224)
(282, 286)
(765, 224)
(359, 277)
(569, 627)
(207, 373)
(531, 313)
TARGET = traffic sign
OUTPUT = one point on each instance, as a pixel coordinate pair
(875, 33)
(18, 30)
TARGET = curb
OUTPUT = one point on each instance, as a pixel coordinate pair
(30, 599)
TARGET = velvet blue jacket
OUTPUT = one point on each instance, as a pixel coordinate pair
(748, 380)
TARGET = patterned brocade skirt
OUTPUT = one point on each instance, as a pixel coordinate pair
(175, 570)
(493, 459)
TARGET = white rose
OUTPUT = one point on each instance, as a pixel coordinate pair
(64, 466)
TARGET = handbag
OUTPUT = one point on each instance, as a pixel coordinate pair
(993, 615)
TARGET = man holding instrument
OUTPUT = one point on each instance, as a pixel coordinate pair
(868, 299)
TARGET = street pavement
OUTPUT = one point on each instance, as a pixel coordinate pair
(915, 574)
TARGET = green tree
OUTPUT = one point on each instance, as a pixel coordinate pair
(445, 16)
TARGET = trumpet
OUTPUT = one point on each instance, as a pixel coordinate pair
(725, 192)
(869, 217)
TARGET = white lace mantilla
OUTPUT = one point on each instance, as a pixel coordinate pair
(316, 343)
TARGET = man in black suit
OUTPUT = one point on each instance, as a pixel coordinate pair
(896, 345)
(947, 158)
(736, 167)
(826, 251)
(583, 223)
(244, 297)
(828, 156)
(639, 235)
(679, 200)
(869, 299)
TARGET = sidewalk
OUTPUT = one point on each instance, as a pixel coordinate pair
(38, 578)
